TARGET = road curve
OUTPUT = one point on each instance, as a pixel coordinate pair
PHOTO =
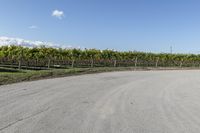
(114, 102)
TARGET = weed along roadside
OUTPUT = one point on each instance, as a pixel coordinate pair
(8, 76)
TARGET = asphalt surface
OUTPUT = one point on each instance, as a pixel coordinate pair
(114, 102)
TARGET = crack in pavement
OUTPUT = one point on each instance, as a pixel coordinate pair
(25, 118)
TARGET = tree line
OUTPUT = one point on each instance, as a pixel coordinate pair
(57, 57)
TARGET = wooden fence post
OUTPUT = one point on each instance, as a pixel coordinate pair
(181, 63)
(115, 63)
(72, 63)
(19, 66)
(92, 62)
(157, 60)
(136, 61)
(49, 63)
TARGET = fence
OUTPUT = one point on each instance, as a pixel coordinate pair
(45, 64)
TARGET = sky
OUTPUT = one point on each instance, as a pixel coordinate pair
(141, 25)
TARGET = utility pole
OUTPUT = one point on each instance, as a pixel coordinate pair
(171, 49)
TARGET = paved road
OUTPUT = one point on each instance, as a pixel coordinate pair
(115, 102)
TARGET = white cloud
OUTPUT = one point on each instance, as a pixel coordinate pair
(58, 14)
(27, 43)
(33, 27)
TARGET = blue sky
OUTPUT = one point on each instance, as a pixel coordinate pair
(143, 25)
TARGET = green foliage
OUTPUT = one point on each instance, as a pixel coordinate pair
(47, 53)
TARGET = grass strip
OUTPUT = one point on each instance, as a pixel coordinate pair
(30, 75)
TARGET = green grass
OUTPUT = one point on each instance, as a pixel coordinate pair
(10, 75)
(13, 76)
(6, 70)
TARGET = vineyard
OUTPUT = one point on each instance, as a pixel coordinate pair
(46, 57)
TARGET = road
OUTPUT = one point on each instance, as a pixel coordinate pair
(114, 102)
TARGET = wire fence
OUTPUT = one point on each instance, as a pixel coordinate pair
(46, 64)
